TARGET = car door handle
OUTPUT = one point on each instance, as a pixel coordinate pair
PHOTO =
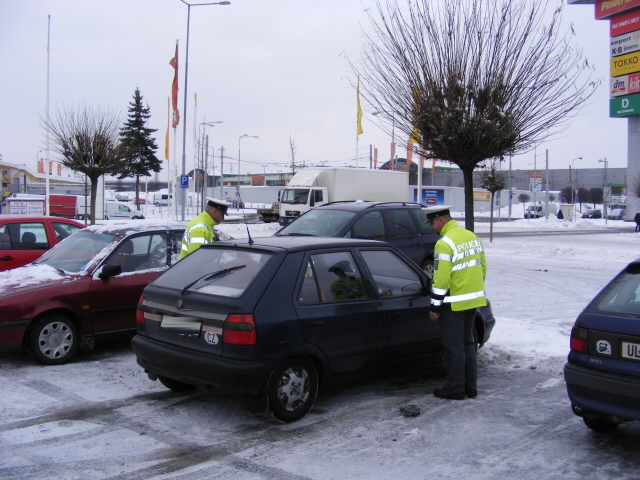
(6, 259)
(317, 324)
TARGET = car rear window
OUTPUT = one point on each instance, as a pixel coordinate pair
(225, 272)
(623, 295)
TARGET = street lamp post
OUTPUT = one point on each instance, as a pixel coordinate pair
(571, 185)
(393, 134)
(238, 185)
(184, 106)
(205, 146)
(604, 185)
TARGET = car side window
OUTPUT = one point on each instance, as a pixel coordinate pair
(400, 223)
(28, 236)
(309, 289)
(141, 253)
(392, 276)
(370, 226)
(421, 220)
(5, 238)
(63, 230)
(337, 278)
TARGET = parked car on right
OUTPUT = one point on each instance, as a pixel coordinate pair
(603, 368)
(592, 213)
(617, 214)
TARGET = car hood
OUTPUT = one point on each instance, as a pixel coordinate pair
(31, 277)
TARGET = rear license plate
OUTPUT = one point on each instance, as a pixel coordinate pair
(631, 350)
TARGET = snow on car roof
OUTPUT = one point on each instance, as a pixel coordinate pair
(129, 227)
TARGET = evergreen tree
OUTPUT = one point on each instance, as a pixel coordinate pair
(138, 146)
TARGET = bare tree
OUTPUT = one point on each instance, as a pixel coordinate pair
(292, 153)
(523, 198)
(86, 140)
(633, 185)
(476, 79)
(492, 179)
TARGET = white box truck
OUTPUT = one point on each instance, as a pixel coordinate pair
(312, 187)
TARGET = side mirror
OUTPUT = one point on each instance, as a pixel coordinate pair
(109, 271)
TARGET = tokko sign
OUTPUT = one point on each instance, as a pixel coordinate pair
(624, 106)
(625, 23)
(623, 44)
(624, 85)
(609, 8)
(624, 64)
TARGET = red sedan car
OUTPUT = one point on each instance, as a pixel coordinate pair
(87, 286)
(24, 238)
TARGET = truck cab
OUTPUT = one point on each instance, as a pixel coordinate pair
(298, 200)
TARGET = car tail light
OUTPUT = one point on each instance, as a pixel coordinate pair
(579, 339)
(140, 313)
(239, 329)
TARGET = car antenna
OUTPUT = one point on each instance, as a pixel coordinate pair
(246, 224)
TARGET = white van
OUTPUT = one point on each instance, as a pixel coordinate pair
(120, 210)
(541, 210)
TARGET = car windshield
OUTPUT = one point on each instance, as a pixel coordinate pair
(225, 272)
(318, 223)
(623, 295)
(76, 252)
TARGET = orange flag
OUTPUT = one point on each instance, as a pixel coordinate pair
(174, 89)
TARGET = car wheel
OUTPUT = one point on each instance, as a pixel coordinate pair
(601, 424)
(53, 340)
(292, 389)
(176, 385)
(429, 269)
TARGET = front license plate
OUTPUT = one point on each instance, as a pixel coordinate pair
(631, 350)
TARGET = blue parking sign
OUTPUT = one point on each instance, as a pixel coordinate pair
(184, 181)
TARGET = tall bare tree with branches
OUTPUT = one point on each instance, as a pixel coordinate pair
(86, 140)
(476, 79)
(492, 179)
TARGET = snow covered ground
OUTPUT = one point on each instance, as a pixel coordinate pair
(99, 417)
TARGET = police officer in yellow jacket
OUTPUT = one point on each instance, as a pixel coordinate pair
(200, 230)
(458, 289)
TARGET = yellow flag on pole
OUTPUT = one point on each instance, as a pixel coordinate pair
(359, 114)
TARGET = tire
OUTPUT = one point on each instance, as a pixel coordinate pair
(601, 424)
(53, 340)
(292, 389)
(429, 269)
(176, 385)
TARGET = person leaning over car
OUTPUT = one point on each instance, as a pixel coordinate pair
(200, 230)
(458, 289)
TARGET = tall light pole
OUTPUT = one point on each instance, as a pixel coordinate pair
(184, 106)
(393, 134)
(205, 157)
(604, 186)
(238, 185)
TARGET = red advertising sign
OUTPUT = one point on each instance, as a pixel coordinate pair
(609, 8)
(625, 23)
(536, 173)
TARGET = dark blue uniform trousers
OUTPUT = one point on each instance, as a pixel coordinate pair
(456, 330)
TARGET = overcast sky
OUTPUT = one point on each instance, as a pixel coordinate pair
(274, 69)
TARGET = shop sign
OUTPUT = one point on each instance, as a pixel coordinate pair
(624, 106)
(625, 23)
(624, 64)
(623, 44)
(609, 8)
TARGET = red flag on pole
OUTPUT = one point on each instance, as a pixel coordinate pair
(174, 89)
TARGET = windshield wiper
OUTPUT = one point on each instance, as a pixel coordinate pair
(211, 276)
(297, 234)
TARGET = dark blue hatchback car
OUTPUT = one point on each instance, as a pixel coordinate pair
(603, 369)
(279, 317)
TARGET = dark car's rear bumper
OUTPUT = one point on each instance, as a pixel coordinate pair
(200, 369)
(603, 392)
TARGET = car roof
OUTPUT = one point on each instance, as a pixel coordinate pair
(137, 226)
(37, 218)
(358, 205)
(299, 243)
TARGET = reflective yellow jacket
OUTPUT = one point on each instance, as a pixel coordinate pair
(199, 232)
(460, 269)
